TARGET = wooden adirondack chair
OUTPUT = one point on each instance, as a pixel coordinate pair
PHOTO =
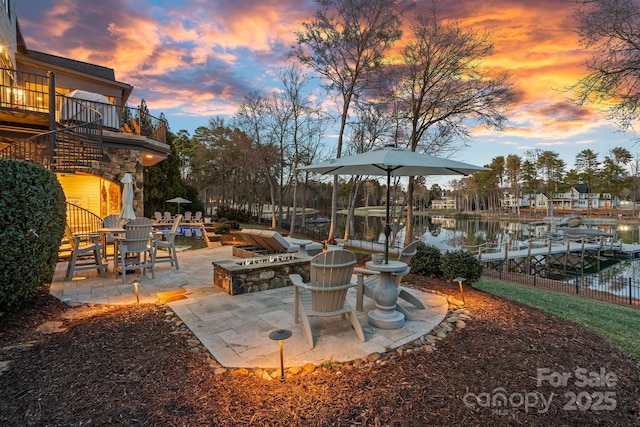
(366, 281)
(168, 243)
(83, 247)
(135, 250)
(326, 293)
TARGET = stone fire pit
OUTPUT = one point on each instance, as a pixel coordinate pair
(241, 276)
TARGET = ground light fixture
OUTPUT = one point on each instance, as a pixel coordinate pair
(280, 335)
(135, 289)
(460, 280)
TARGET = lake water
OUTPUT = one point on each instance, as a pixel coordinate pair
(452, 234)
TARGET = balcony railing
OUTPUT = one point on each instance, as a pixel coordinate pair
(127, 119)
(30, 92)
(24, 91)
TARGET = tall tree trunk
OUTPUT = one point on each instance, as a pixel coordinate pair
(409, 224)
(272, 193)
(294, 212)
(348, 229)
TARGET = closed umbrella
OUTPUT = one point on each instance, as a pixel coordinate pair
(178, 200)
(391, 161)
(127, 211)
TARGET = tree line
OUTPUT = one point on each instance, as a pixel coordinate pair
(423, 90)
(617, 173)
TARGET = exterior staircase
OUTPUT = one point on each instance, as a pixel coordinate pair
(71, 137)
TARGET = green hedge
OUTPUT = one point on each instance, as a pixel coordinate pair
(461, 263)
(427, 260)
(32, 221)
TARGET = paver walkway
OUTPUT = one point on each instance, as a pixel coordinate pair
(235, 329)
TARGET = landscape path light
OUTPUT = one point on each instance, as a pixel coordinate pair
(460, 280)
(280, 335)
(135, 289)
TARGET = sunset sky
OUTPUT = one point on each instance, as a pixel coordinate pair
(196, 59)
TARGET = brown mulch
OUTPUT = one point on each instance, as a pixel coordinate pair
(130, 366)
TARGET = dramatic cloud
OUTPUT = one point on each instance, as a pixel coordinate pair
(196, 59)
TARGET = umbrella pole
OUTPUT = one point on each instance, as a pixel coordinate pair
(387, 227)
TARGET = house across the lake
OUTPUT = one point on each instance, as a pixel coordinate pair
(577, 198)
(72, 118)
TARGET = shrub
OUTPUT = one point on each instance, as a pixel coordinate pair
(233, 214)
(427, 260)
(461, 264)
(32, 221)
(221, 227)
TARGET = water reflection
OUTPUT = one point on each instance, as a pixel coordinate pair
(451, 234)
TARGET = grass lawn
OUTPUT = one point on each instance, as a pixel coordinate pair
(616, 323)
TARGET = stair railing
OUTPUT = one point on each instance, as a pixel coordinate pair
(81, 220)
(73, 147)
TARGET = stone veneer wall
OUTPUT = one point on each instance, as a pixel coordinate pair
(236, 279)
(118, 161)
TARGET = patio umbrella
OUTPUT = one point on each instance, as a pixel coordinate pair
(127, 211)
(391, 161)
(178, 200)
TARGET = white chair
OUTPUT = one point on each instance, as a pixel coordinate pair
(168, 243)
(366, 285)
(167, 217)
(187, 216)
(158, 217)
(326, 293)
(197, 217)
(135, 250)
(83, 247)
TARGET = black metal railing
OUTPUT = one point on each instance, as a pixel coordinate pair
(63, 150)
(24, 91)
(128, 120)
(615, 289)
(82, 221)
(135, 121)
(31, 92)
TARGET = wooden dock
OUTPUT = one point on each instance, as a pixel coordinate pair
(569, 254)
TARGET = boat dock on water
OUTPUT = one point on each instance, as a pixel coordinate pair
(579, 249)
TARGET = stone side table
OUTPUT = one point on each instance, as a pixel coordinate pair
(385, 315)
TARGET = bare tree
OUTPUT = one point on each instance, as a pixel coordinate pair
(444, 90)
(610, 29)
(251, 117)
(343, 42)
(372, 126)
(306, 127)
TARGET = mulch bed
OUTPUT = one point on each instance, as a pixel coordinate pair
(129, 365)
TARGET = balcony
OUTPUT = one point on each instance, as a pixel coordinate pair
(25, 100)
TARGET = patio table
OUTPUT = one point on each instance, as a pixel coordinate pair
(104, 233)
(385, 315)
